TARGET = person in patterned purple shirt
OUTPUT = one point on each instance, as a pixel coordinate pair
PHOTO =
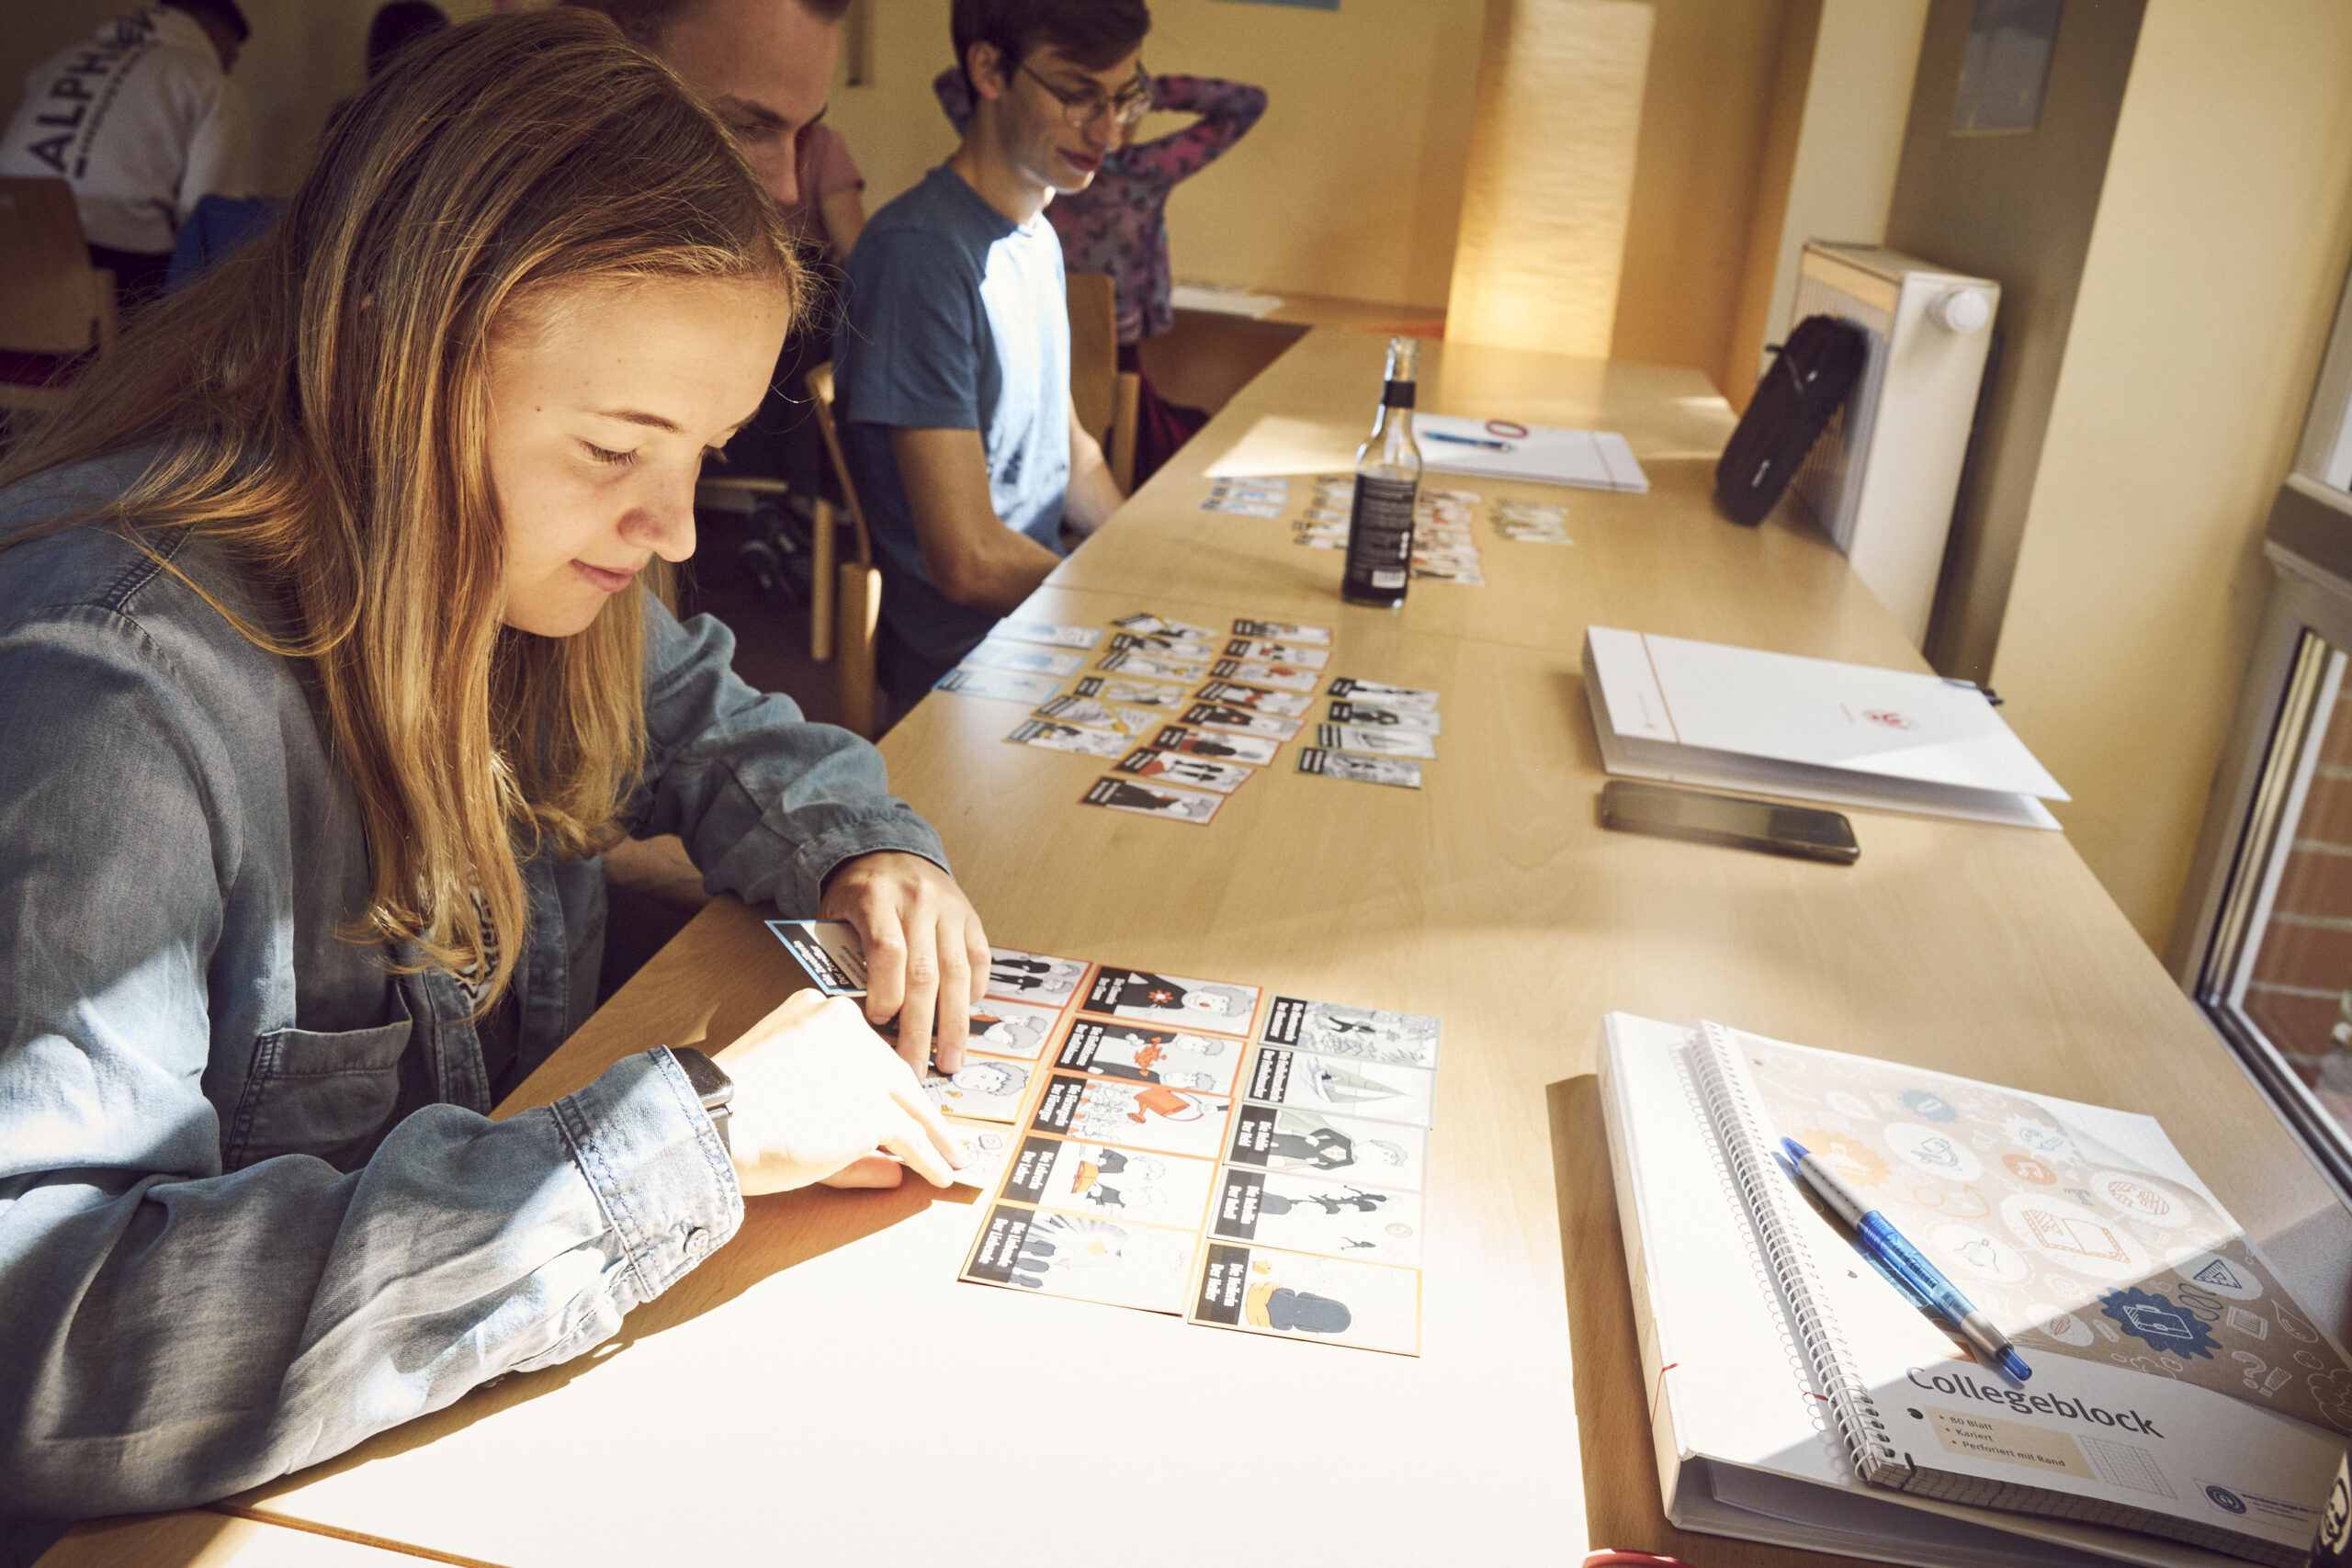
(1119, 225)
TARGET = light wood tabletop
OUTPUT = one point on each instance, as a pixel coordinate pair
(198, 1538)
(823, 1387)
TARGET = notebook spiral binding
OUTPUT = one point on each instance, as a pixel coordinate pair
(1723, 1083)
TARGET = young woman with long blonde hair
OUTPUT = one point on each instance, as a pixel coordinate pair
(332, 651)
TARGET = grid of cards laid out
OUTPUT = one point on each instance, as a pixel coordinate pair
(1186, 714)
(1444, 548)
(1188, 1146)
(1172, 1157)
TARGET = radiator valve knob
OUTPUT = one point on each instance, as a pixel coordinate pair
(1962, 311)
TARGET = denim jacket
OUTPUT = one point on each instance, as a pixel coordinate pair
(251, 1208)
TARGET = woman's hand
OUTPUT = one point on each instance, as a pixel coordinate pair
(817, 1093)
(926, 957)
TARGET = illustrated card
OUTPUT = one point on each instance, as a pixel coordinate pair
(1268, 652)
(1283, 677)
(1092, 714)
(1290, 705)
(1198, 772)
(1184, 672)
(1242, 505)
(1162, 645)
(986, 1150)
(1382, 1091)
(1132, 693)
(1162, 801)
(1410, 698)
(987, 1088)
(1149, 1116)
(1058, 737)
(1531, 523)
(1285, 631)
(1032, 977)
(1218, 716)
(1146, 1055)
(1119, 1263)
(1345, 1148)
(1328, 1028)
(1046, 633)
(998, 685)
(1306, 1213)
(1358, 769)
(1144, 997)
(1082, 1178)
(1251, 749)
(1143, 622)
(1378, 742)
(829, 951)
(1005, 1028)
(1365, 717)
(1262, 1290)
(1024, 661)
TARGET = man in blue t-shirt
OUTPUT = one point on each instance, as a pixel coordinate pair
(952, 360)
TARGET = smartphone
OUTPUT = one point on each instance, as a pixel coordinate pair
(1804, 831)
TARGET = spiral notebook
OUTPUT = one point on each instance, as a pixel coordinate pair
(2183, 1409)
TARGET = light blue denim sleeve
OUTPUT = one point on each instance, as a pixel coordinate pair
(768, 803)
(175, 1332)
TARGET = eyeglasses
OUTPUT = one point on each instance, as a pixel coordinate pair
(1083, 107)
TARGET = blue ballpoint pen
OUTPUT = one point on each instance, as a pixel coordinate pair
(1464, 440)
(1888, 1246)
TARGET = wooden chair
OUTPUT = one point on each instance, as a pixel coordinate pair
(1103, 396)
(857, 598)
(820, 549)
(54, 305)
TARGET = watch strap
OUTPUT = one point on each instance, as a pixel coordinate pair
(711, 1086)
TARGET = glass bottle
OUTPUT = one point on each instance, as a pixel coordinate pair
(1388, 481)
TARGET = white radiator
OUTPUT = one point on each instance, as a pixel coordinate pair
(1882, 478)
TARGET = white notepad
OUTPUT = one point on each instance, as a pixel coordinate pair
(1590, 460)
(1780, 1363)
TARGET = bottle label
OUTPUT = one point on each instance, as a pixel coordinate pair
(1396, 394)
(1380, 534)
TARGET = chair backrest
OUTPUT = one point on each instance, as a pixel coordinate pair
(821, 398)
(1093, 351)
(54, 301)
(1120, 450)
(856, 599)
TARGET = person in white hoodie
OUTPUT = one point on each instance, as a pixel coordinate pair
(144, 122)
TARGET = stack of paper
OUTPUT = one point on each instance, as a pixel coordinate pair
(1596, 459)
(1700, 712)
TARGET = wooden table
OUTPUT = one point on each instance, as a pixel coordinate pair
(199, 1538)
(823, 1389)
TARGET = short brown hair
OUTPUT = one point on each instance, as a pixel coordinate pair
(642, 22)
(1095, 33)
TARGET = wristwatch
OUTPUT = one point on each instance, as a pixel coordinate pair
(715, 1087)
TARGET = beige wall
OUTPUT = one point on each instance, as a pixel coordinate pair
(1351, 184)
(1856, 105)
(2017, 209)
(1706, 118)
(2221, 241)
(1541, 247)
(303, 58)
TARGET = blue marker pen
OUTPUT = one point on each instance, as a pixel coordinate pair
(1465, 440)
(1905, 1262)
